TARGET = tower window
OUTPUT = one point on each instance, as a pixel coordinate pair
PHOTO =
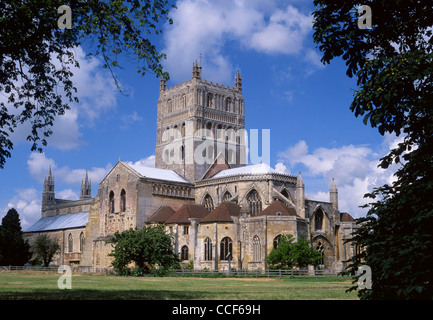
(209, 101)
(318, 220)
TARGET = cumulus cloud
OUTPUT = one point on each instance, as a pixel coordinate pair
(28, 204)
(354, 168)
(203, 26)
(145, 162)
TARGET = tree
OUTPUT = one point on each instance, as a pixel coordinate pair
(36, 55)
(148, 248)
(45, 248)
(393, 63)
(289, 254)
(14, 250)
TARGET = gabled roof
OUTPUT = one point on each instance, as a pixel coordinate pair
(66, 221)
(161, 214)
(220, 163)
(277, 208)
(186, 212)
(223, 213)
(261, 168)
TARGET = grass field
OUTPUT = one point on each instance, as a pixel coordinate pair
(21, 285)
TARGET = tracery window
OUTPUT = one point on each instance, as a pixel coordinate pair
(227, 196)
(226, 247)
(277, 241)
(255, 203)
(256, 249)
(321, 250)
(208, 203)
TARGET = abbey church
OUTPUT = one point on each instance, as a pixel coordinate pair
(221, 211)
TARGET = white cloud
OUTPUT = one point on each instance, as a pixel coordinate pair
(355, 169)
(146, 162)
(281, 167)
(27, 202)
(202, 26)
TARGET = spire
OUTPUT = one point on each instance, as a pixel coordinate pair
(48, 193)
(196, 70)
(300, 182)
(86, 188)
(238, 81)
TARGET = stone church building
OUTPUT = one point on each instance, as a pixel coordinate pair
(221, 211)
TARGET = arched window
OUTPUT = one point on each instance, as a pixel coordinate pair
(227, 196)
(254, 202)
(277, 241)
(81, 241)
(207, 249)
(256, 249)
(318, 220)
(209, 101)
(123, 200)
(170, 106)
(184, 253)
(183, 101)
(228, 104)
(111, 202)
(321, 250)
(208, 203)
(70, 243)
(226, 248)
(285, 193)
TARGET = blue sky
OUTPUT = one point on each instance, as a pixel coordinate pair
(286, 89)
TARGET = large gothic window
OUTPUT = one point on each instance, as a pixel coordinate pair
(254, 202)
(256, 249)
(111, 202)
(226, 248)
(123, 200)
(209, 101)
(318, 220)
(207, 249)
(208, 203)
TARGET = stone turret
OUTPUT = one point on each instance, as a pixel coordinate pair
(300, 197)
(196, 71)
(333, 195)
(238, 82)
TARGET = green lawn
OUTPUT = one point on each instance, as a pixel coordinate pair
(25, 285)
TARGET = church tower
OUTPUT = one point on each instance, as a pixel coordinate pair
(86, 188)
(198, 120)
(48, 193)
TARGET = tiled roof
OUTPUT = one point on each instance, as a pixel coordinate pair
(346, 217)
(161, 214)
(223, 213)
(186, 212)
(277, 208)
(66, 221)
